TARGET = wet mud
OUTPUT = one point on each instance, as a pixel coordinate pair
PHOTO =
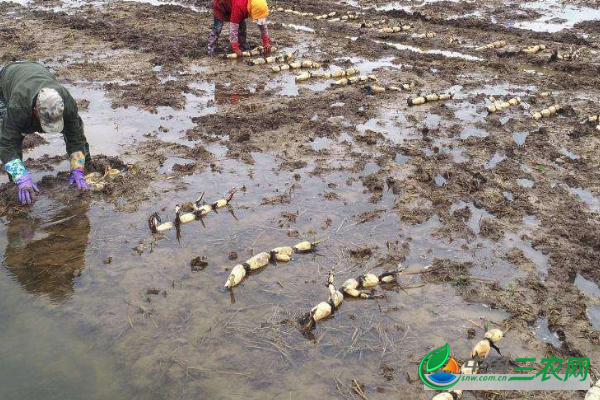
(496, 216)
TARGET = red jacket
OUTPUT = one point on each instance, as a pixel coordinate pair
(234, 11)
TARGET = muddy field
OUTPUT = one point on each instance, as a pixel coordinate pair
(495, 216)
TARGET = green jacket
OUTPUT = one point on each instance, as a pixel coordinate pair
(20, 82)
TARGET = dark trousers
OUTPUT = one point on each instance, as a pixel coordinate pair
(2, 106)
(2, 111)
(2, 115)
(215, 32)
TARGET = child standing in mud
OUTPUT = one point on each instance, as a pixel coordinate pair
(31, 100)
(236, 12)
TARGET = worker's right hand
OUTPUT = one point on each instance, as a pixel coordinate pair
(26, 189)
(236, 48)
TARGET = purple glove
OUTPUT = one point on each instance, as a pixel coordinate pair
(26, 189)
(78, 179)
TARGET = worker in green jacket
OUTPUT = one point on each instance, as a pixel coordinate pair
(31, 100)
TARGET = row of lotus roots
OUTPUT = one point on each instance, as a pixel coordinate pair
(200, 209)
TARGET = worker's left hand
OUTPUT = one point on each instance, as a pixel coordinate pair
(78, 179)
(266, 44)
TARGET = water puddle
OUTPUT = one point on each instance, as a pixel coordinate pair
(367, 67)
(321, 143)
(394, 6)
(447, 146)
(520, 137)
(401, 159)
(73, 6)
(593, 313)
(345, 137)
(41, 358)
(567, 153)
(472, 131)
(587, 287)
(433, 120)
(477, 214)
(445, 53)
(401, 5)
(167, 166)
(340, 120)
(587, 197)
(541, 261)
(109, 130)
(299, 28)
(458, 156)
(531, 221)
(285, 85)
(497, 158)
(351, 3)
(168, 78)
(467, 112)
(504, 274)
(224, 96)
(425, 247)
(526, 183)
(557, 16)
(544, 333)
(440, 180)
(390, 125)
(91, 285)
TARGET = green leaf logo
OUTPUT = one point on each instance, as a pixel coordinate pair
(437, 358)
(432, 361)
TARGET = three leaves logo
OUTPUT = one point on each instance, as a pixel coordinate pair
(432, 362)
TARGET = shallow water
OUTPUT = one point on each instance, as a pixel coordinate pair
(46, 351)
(520, 137)
(406, 5)
(557, 16)
(367, 67)
(569, 154)
(544, 333)
(299, 27)
(445, 53)
(526, 183)
(497, 158)
(594, 316)
(77, 315)
(587, 287)
(392, 124)
(71, 6)
(42, 357)
(157, 339)
(321, 143)
(121, 342)
(587, 197)
(106, 296)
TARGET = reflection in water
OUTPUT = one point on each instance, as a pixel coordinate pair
(225, 95)
(45, 353)
(45, 256)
